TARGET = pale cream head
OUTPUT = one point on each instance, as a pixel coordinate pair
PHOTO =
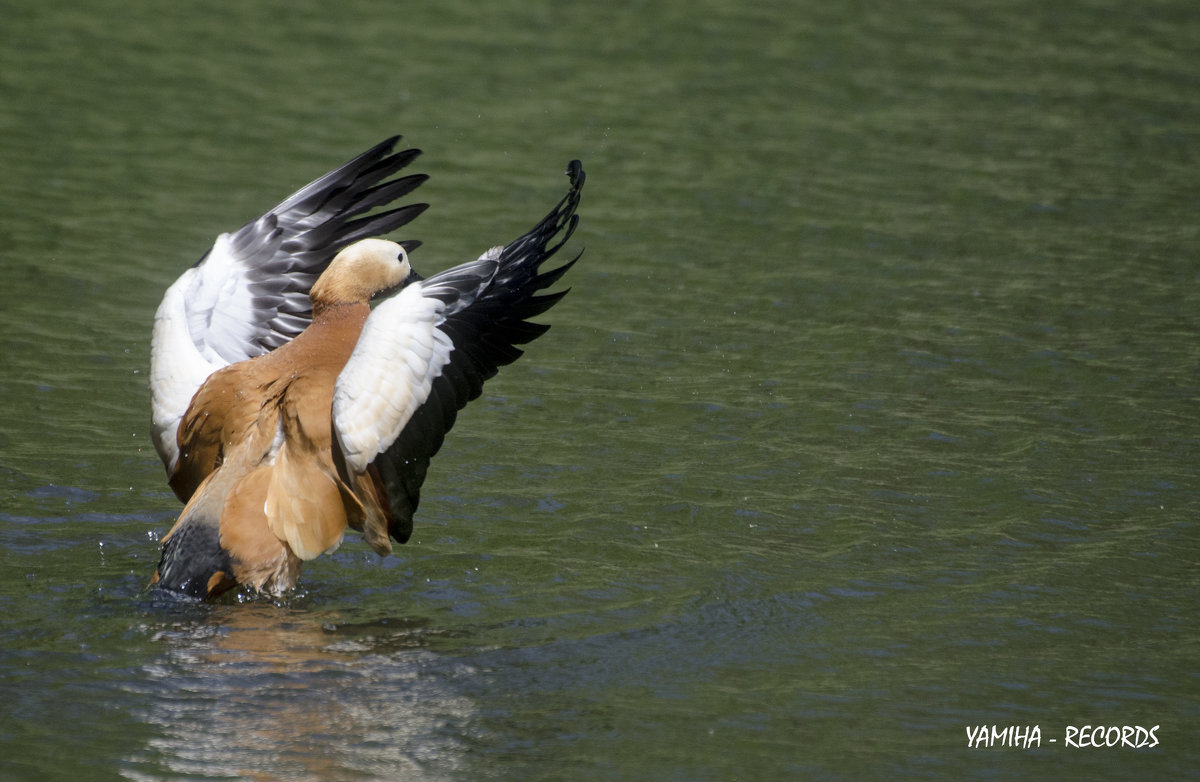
(360, 271)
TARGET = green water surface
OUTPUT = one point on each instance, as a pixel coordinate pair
(871, 415)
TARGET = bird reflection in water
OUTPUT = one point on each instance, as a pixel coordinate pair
(259, 691)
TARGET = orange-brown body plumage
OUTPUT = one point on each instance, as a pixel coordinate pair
(256, 442)
(286, 409)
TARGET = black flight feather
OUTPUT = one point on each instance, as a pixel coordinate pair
(487, 303)
(284, 251)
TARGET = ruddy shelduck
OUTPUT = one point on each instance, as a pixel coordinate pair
(286, 409)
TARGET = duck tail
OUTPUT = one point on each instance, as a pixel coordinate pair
(193, 563)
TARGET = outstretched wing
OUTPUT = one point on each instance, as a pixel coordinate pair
(426, 352)
(249, 293)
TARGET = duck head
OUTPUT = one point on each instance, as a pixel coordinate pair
(361, 271)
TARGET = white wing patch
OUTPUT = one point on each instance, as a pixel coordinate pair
(399, 354)
(177, 367)
(218, 304)
(194, 336)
